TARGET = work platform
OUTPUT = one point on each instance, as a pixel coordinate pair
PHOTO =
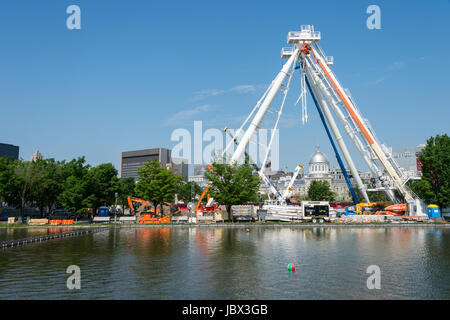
(305, 35)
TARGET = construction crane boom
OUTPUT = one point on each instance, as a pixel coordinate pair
(287, 193)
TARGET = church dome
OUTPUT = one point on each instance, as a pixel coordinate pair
(318, 157)
(318, 165)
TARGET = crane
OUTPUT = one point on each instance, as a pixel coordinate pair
(330, 97)
(288, 192)
(330, 91)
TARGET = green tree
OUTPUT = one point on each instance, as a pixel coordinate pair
(319, 190)
(23, 182)
(434, 187)
(100, 183)
(187, 191)
(157, 184)
(49, 183)
(233, 184)
(125, 188)
(74, 186)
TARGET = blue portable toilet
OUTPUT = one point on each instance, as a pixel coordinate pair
(433, 211)
(103, 212)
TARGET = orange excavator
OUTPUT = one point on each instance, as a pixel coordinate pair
(139, 206)
(144, 212)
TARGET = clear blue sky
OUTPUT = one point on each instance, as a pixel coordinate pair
(137, 70)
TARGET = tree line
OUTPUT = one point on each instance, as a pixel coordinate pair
(79, 187)
(434, 186)
(48, 184)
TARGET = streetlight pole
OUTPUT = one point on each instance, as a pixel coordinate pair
(115, 209)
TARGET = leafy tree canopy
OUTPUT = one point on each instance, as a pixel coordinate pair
(157, 184)
(188, 191)
(233, 184)
(319, 190)
(434, 187)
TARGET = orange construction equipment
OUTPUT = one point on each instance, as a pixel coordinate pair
(397, 208)
(147, 218)
(144, 212)
(139, 206)
(205, 208)
(388, 213)
(205, 191)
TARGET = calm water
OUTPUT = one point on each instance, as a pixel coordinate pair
(229, 263)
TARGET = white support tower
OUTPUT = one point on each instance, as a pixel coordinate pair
(332, 96)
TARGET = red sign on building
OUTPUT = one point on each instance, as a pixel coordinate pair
(419, 163)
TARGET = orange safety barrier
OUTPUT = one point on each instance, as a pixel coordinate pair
(54, 222)
(67, 221)
(148, 219)
(164, 220)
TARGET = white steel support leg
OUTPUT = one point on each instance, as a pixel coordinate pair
(239, 152)
(344, 122)
(319, 85)
(365, 130)
(337, 135)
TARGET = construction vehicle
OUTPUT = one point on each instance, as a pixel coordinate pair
(207, 210)
(350, 210)
(371, 207)
(288, 192)
(393, 210)
(145, 213)
(139, 206)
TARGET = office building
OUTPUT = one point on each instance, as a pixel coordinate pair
(406, 158)
(9, 150)
(130, 161)
(180, 166)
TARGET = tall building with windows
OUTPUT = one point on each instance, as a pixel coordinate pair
(180, 166)
(9, 150)
(406, 158)
(130, 161)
